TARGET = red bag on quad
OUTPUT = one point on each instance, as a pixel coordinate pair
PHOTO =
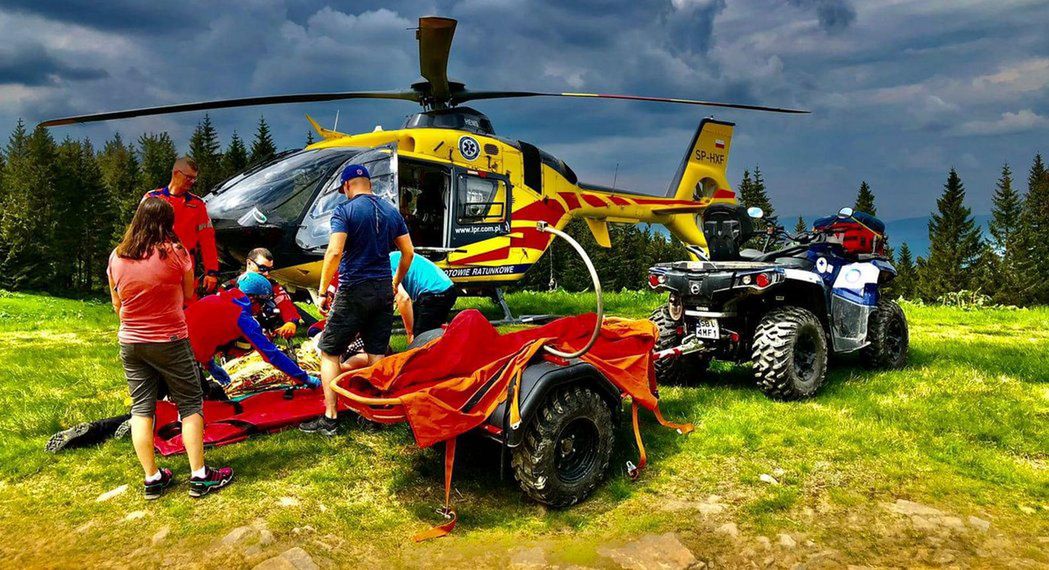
(858, 234)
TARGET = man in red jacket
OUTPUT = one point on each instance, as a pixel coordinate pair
(192, 224)
(217, 322)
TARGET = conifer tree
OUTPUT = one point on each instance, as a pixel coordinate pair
(156, 156)
(204, 148)
(800, 226)
(904, 283)
(235, 159)
(865, 200)
(751, 194)
(758, 195)
(954, 243)
(262, 148)
(1008, 206)
(1009, 282)
(26, 220)
(118, 169)
(1033, 245)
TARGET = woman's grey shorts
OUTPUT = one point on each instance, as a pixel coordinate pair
(147, 364)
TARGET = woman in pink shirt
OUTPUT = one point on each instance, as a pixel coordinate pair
(150, 277)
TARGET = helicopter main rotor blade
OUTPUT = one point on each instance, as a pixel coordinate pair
(228, 103)
(475, 95)
(435, 43)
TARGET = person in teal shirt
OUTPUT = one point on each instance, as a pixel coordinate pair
(425, 297)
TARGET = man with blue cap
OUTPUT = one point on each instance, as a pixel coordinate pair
(217, 323)
(364, 230)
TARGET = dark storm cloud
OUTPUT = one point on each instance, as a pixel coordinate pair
(116, 15)
(899, 93)
(833, 15)
(32, 66)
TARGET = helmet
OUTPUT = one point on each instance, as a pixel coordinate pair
(254, 284)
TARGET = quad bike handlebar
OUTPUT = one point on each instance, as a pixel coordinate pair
(547, 228)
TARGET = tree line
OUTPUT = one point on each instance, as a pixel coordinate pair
(64, 205)
(1004, 266)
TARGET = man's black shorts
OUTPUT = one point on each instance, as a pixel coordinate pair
(366, 309)
(431, 310)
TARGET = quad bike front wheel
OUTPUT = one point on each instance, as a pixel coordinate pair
(676, 371)
(888, 335)
(790, 353)
(567, 448)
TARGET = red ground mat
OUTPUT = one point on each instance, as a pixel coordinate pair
(230, 422)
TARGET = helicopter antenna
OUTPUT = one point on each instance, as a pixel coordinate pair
(615, 175)
(336, 127)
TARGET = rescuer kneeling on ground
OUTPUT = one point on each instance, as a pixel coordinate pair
(260, 261)
(364, 230)
(218, 321)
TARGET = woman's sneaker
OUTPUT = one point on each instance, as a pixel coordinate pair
(154, 489)
(322, 425)
(213, 480)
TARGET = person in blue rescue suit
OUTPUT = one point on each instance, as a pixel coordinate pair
(425, 297)
(192, 223)
(260, 261)
(364, 230)
(217, 322)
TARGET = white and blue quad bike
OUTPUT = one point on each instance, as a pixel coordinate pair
(785, 310)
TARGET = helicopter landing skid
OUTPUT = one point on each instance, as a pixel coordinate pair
(508, 315)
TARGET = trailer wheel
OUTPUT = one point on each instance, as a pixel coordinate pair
(890, 339)
(790, 353)
(679, 371)
(567, 449)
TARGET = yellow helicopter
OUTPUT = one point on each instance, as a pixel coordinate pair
(472, 199)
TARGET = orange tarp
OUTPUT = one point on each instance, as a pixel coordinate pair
(452, 384)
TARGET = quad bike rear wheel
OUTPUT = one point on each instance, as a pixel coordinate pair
(567, 448)
(677, 371)
(790, 353)
(889, 337)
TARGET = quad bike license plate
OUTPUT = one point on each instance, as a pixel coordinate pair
(707, 328)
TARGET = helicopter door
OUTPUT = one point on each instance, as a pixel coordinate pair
(481, 207)
(381, 163)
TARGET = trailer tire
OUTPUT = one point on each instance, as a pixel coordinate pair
(567, 449)
(675, 371)
(790, 353)
(889, 337)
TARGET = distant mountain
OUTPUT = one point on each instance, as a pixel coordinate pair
(915, 232)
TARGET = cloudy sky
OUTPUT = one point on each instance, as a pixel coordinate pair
(900, 90)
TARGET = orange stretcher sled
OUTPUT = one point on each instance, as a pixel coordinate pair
(515, 389)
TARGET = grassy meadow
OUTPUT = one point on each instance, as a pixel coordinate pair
(963, 431)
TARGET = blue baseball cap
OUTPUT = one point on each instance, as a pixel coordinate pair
(254, 284)
(354, 171)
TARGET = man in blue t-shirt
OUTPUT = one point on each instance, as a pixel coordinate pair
(363, 232)
(425, 297)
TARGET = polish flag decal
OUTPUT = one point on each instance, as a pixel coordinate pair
(719, 143)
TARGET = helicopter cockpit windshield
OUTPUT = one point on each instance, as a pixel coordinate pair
(381, 163)
(276, 192)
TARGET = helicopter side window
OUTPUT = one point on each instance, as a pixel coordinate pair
(480, 200)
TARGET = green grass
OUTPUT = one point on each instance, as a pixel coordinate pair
(964, 428)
